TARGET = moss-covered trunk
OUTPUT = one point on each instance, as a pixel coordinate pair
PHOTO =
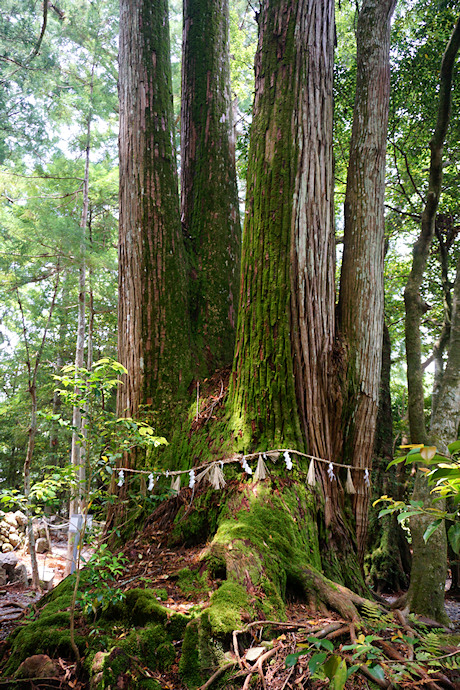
(209, 196)
(154, 330)
(360, 310)
(285, 334)
(283, 388)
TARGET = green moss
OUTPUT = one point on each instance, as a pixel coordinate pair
(227, 605)
(161, 594)
(191, 582)
(189, 663)
(49, 634)
(201, 651)
(148, 647)
(139, 606)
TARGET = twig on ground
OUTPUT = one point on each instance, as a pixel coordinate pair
(217, 675)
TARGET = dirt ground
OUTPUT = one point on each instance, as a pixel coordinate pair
(150, 557)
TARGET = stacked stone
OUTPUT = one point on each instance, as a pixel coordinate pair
(12, 531)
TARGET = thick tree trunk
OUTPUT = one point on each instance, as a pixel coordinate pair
(284, 389)
(154, 331)
(360, 310)
(282, 368)
(209, 196)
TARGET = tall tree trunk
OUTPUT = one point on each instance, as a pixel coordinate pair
(280, 381)
(388, 549)
(284, 388)
(154, 330)
(77, 502)
(361, 300)
(209, 195)
(32, 371)
(429, 564)
(415, 306)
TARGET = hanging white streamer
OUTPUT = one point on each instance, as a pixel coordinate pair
(367, 479)
(330, 471)
(349, 486)
(311, 476)
(245, 466)
(216, 477)
(261, 472)
(175, 484)
(192, 481)
(121, 478)
(151, 482)
(287, 460)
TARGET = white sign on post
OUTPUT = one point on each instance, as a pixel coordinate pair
(76, 522)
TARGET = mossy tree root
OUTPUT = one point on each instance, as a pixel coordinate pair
(323, 592)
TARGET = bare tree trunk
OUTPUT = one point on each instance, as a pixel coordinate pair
(32, 381)
(77, 502)
(415, 306)
(429, 564)
(209, 195)
(27, 464)
(361, 300)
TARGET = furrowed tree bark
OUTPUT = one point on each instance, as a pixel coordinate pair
(285, 331)
(154, 327)
(284, 387)
(429, 564)
(209, 195)
(361, 300)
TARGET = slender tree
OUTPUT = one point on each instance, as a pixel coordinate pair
(361, 299)
(209, 196)
(429, 565)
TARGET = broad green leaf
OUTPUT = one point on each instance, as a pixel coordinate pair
(331, 666)
(340, 676)
(407, 514)
(292, 659)
(352, 670)
(453, 534)
(377, 671)
(430, 529)
(316, 660)
(396, 461)
(454, 447)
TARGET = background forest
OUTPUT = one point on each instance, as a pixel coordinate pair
(65, 227)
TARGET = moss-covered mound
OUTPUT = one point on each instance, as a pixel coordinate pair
(136, 636)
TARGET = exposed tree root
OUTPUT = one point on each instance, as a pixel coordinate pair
(335, 596)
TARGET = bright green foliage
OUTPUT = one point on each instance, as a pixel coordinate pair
(101, 573)
(444, 477)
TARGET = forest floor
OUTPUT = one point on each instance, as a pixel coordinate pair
(153, 563)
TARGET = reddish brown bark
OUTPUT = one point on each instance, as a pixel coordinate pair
(154, 332)
(361, 285)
